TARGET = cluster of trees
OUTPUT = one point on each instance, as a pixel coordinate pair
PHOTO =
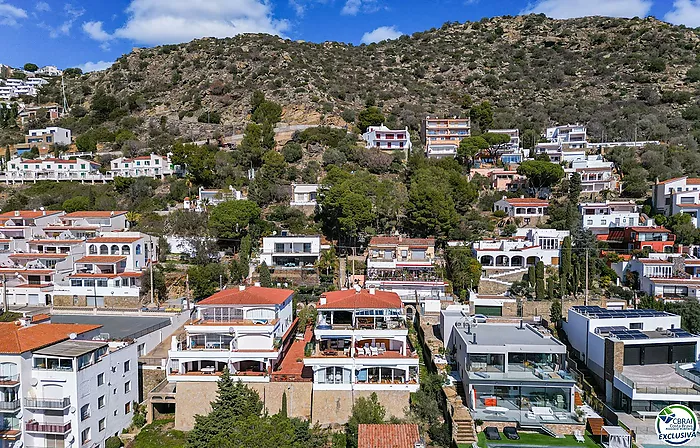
(8, 115)
(237, 420)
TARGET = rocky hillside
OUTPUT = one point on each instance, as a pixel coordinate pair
(617, 75)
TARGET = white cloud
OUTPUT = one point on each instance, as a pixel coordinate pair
(173, 21)
(684, 12)
(353, 7)
(380, 34)
(71, 14)
(9, 15)
(42, 7)
(96, 32)
(565, 9)
(95, 66)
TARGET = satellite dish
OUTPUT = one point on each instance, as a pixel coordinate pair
(71, 438)
(231, 330)
(72, 409)
(34, 382)
(72, 336)
(358, 288)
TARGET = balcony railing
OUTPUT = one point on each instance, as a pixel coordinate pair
(9, 380)
(47, 428)
(47, 403)
(11, 405)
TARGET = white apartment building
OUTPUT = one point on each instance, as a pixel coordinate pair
(527, 248)
(564, 143)
(153, 165)
(381, 137)
(361, 344)
(242, 329)
(643, 358)
(599, 217)
(665, 276)
(36, 82)
(300, 251)
(62, 388)
(22, 170)
(678, 195)
(596, 174)
(49, 70)
(441, 136)
(601, 147)
(304, 195)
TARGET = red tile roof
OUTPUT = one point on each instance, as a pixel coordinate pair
(29, 214)
(17, 339)
(115, 239)
(396, 240)
(655, 229)
(351, 299)
(251, 295)
(387, 436)
(102, 259)
(527, 201)
(94, 214)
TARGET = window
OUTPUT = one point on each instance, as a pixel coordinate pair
(85, 412)
(89, 282)
(138, 249)
(127, 366)
(636, 326)
(85, 436)
(100, 379)
(127, 387)
(100, 402)
(76, 282)
(101, 425)
(127, 407)
(126, 250)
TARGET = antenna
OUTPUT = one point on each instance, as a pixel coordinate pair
(66, 109)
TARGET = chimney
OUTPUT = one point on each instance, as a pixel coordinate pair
(521, 324)
(43, 212)
(372, 291)
(522, 196)
(241, 287)
(322, 300)
(16, 212)
(111, 214)
(474, 338)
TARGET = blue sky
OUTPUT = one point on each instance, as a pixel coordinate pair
(93, 33)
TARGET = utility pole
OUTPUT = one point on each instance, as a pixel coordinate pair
(150, 243)
(585, 300)
(187, 290)
(4, 294)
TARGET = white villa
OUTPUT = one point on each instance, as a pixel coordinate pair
(153, 165)
(381, 137)
(304, 195)
(528, 247)
(599, 217)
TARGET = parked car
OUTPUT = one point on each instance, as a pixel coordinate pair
(511, 433)
(492, 433)
(480, 318)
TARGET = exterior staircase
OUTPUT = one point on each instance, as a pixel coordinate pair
(463, 427)
(578, 400)
(595, 425)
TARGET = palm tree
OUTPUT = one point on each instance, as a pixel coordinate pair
(328, 261)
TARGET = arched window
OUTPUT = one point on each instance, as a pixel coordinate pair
(138, 249)
(93, 249)
(114, 250)
(104, 250)
(126, 250)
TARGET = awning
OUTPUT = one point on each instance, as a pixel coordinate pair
(618, 437)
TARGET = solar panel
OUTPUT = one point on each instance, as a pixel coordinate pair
(680, 333)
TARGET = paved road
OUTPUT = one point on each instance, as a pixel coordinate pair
(231, 139)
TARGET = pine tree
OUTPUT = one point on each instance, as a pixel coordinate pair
(265, 278)
(539, 283)
(565, 266)
(283, 409)
(555, 312)
(531, 278)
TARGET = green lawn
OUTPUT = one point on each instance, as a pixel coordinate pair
(535, 439)
(160, 434)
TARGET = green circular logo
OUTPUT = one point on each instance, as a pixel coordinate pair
(676, 425)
